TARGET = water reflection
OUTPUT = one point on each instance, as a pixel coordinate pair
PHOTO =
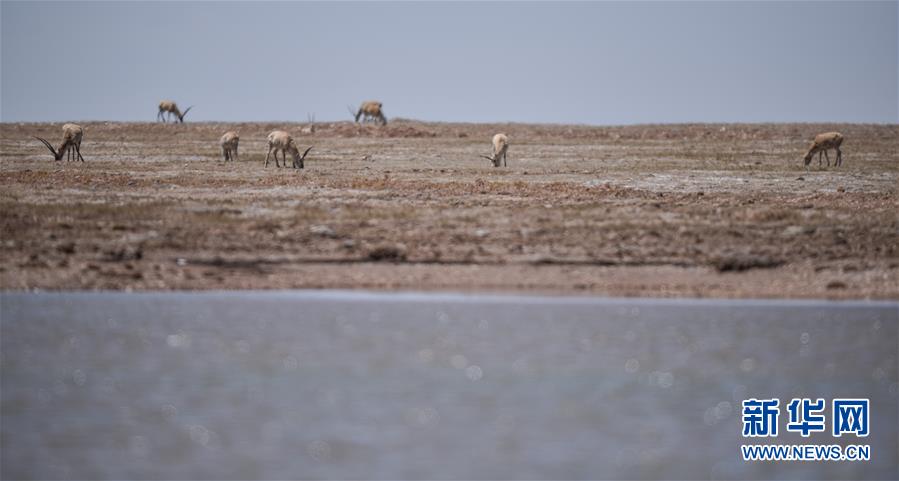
(328, 385)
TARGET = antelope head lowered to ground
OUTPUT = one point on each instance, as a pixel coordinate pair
(370, 110)
(171, 108)
(500, 146)
(823, 143)
(280, 140)
(229, 143)
(71, 142)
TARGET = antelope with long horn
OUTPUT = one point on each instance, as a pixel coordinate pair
(823, 143)
(171, 108)
(229, 143)
(71, 143)
(310, 128)
(500, 147)
(280, 140)
(370, 110)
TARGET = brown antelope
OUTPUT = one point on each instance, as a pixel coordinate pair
(500, 146)
(370, 110)
(171, 108)
(71, 142)
(823, 143)
(280, 140)
(229, 143)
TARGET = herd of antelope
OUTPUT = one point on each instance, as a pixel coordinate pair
(370, 111)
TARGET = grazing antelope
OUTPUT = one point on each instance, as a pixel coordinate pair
(281, 140)
(71, 142)
(823, 143)
(370, 110)
(229, 145)
(171, 108)
(500, 146)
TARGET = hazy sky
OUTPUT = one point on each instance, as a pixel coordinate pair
(593, 63)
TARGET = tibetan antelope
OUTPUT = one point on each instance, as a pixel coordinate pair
(171, 108)
(823, 143)
(281, 140)
(370, 110)
(500, 146)
(71, 142)
(229, 143)
(310, 128)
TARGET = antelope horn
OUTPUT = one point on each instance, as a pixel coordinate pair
(306, 152)
(491, 159)
(55, 154)
(185, 113)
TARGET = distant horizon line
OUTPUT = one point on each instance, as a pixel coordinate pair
(404, 119)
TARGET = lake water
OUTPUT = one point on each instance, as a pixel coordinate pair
(355, 385)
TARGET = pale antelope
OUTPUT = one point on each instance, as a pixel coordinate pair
(823, 143)
(500, 146)
(280, 140)
(309, 129)
(71, 143)
(171, 108)
(229, 145)
(370, 110)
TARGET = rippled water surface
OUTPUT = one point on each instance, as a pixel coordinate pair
(285, 385)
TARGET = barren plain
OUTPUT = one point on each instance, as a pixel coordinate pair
(691, 210)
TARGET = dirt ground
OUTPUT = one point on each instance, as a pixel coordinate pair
(698, 210)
